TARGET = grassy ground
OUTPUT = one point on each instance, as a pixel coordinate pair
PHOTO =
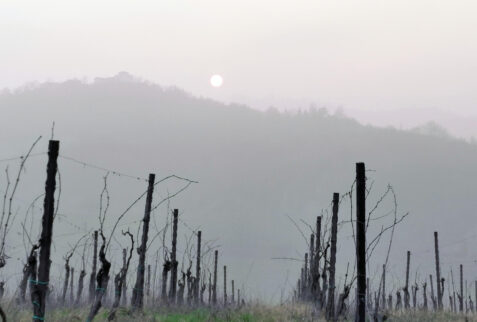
(247, 314)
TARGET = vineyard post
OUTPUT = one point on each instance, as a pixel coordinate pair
(324, 277)
(361, 242)
(384, 287)
(316, 289)
(225, 285)
(438, 271)
(415, 288)
(368, 296)
(461, 295)
(173, 286)
(330, 310)
(72, 297)
(93, 272)
(406, 288)
(305, 278)
(67, 278)
(214, 291)
(298, 288)
(197, 268)
(209, 300)
(148, 283)
(166, 267)
(312, 264)
(39, 287)
(138, 290)
(80, 286)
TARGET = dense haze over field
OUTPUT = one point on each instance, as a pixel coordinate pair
(254, 170)
(310, 87)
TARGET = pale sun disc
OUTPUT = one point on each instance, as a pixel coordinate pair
(216, 80)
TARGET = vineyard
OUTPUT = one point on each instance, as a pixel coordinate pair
(133, 271)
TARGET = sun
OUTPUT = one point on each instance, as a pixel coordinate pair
(216, 80)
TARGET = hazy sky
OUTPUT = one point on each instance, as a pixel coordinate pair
(364, 54)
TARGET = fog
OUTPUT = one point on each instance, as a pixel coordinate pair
(310, 88)
(366, 55)
(256, 170)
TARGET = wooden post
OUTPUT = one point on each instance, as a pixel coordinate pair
(415, 288)
(39, 287)
(312, 265)
(305, 278)
(438, 271)
(80, 286)
(148, 283)
(298, 287)
(406, 288)
(214, 291)
(225, 285)
(461, 295)
(475, 286)
(324, 277)
(92, 277)
(316, 288)
(369, 300)
(65, 282)
(361, 242)
(173, 286)
(383, 296)
(197, 268)
(138, 290)
(330, 309)
(72, 296)
(210, 289)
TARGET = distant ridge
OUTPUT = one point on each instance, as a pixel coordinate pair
(254, 167)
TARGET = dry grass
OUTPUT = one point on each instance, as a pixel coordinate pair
(249, 313)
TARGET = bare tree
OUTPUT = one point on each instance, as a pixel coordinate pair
(27, 272)
(82, 275)
(4, 222)
(120, 279)
(102, 280)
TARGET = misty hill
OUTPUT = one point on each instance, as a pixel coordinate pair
(254, 168)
